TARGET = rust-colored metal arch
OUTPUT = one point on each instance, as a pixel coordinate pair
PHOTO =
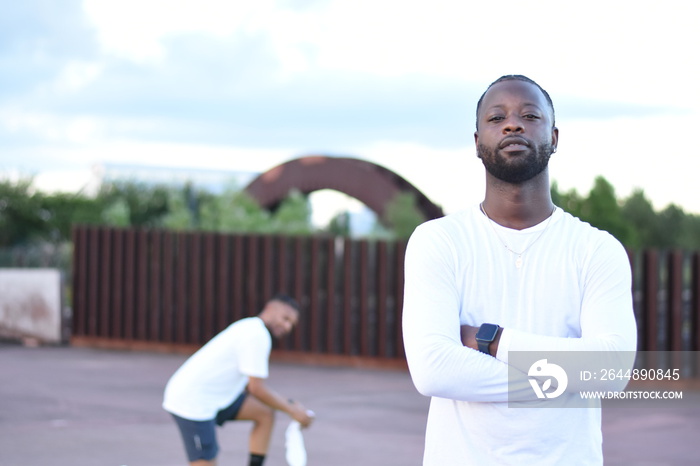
(371, 184)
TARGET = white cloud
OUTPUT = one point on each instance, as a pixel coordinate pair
(637, 54)
(77, 74)
(67, 181)
(626, 51)
(50, 127)
(631, 153)
(138, 29)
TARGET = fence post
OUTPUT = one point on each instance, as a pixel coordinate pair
(695, 309)
(399, 255)
(194, 310)
(182, 290)
(117, 284)
(381, 294)
(224, 283)
(650, 277)
(168, 287)
(155, 311)
(142, 290)
(364, 298)
(347, 296)
(314, 305)
(252, 273)
(238, 278)
(331, 336)
(674, 313)
(130, 286)
(209, 258)
(80, 274)
(299, 288)
(105, 290)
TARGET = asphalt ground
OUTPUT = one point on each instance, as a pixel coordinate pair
(63, 406)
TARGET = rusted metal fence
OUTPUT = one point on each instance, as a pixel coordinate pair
(153, 288)
(667, 299)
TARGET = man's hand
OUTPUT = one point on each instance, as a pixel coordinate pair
(468, 334)
(262, 392)
(300, 414)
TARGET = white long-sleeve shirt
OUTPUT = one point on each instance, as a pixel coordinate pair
(571, 293)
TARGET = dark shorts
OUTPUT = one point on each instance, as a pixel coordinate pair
(199, 437)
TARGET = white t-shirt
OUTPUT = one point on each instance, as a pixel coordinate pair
(571, 293)
(213, 377)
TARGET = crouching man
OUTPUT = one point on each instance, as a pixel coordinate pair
(225, 381)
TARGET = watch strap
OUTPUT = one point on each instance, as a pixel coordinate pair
(484, 346)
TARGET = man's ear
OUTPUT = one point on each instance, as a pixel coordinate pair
(555, 138)
(476, 142)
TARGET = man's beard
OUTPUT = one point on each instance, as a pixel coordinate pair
(518, 170)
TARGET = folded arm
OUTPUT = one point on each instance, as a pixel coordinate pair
(441, 352)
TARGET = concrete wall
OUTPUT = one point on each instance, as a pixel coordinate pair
(31, 304)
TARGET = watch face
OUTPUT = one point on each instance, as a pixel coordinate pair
(487, 332)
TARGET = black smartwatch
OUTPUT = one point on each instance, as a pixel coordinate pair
(485, 335)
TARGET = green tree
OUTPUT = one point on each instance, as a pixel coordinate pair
(180, 216)
(571, 201)
(339, 225)
(234, 211)
(144, 205)
(690, 237)
(602, 210)
(293, 216)
(60, 211)
(638, 213)
(22, 218)
(673, 220)
(403, 215)
(117, 214)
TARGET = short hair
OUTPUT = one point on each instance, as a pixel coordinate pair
(286, 299)
(514, 77)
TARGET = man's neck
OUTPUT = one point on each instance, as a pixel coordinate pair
(518, 206)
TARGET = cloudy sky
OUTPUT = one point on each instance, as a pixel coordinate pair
(240, 85)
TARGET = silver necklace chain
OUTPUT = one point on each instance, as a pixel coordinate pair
(519, 258)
